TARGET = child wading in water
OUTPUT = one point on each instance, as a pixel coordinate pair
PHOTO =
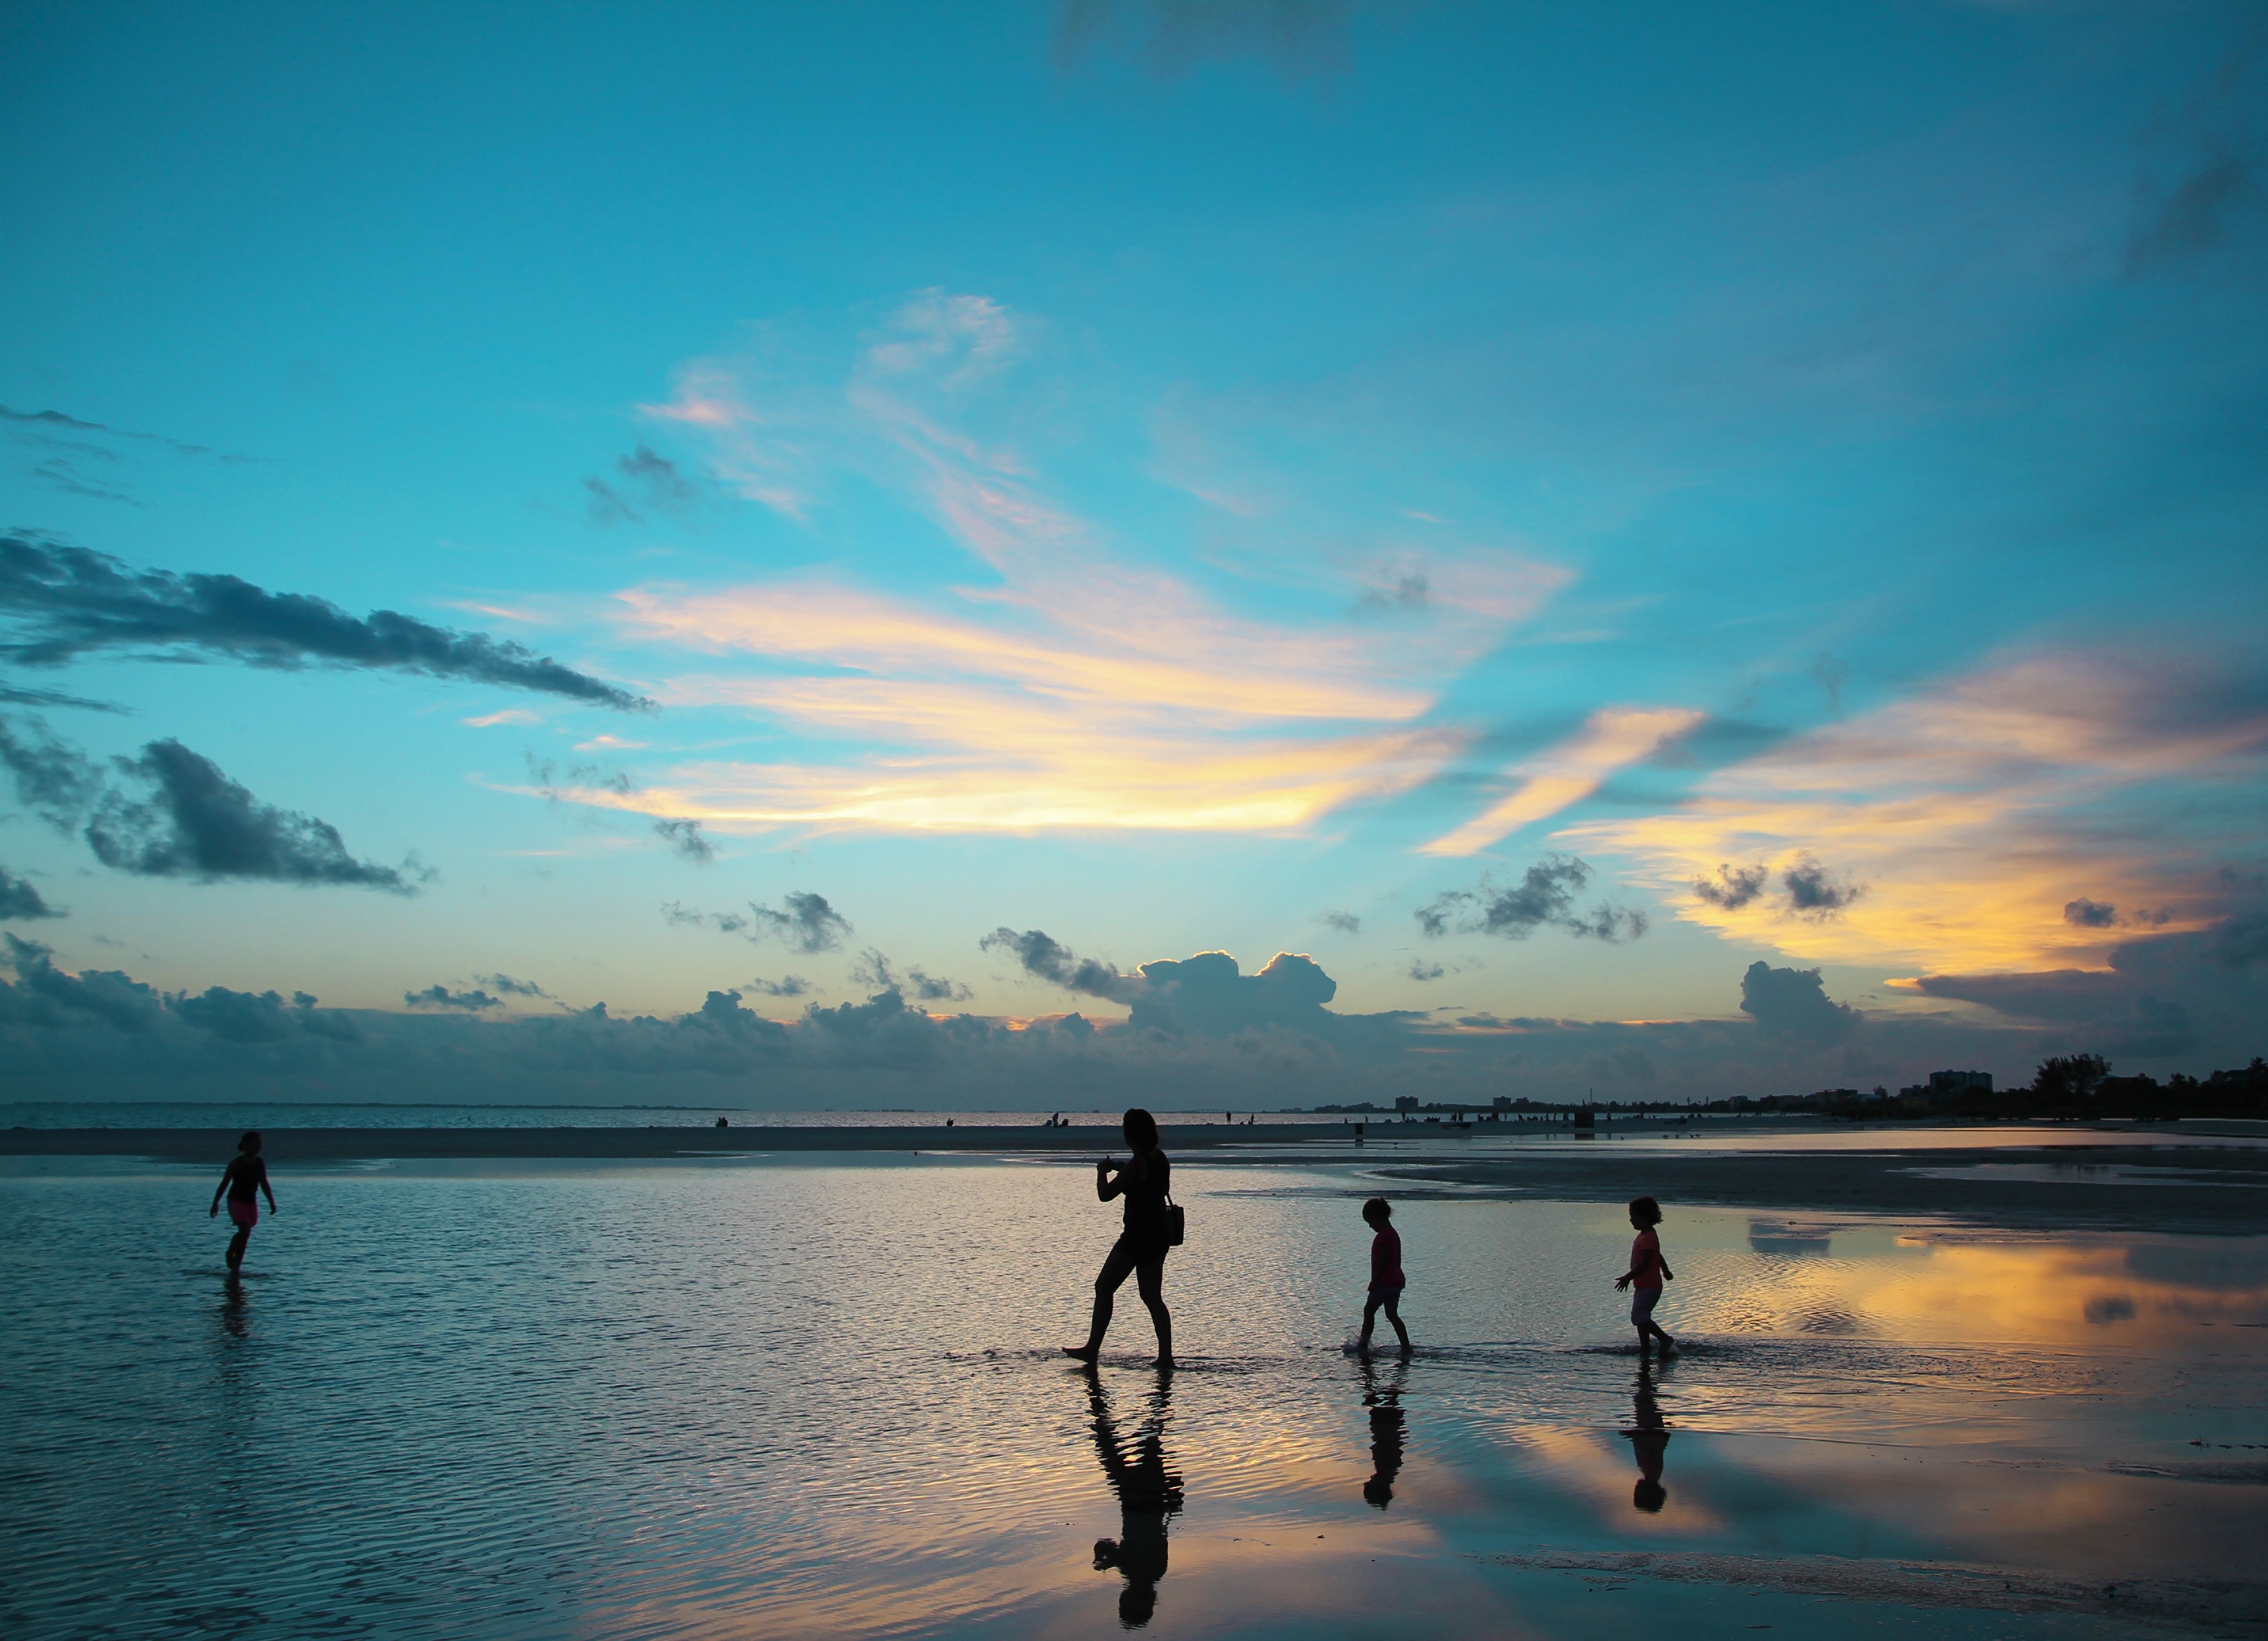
(1646, 1274)
(1386, 1278)
(247, 1175)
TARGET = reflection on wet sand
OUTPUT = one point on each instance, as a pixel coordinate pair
(1149, 1495)
(1387, 1426)
(1649, 1440)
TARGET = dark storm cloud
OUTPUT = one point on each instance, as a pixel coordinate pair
(1793, 1002)
(1345, 922)
(874, 969)
(2088, 913)
(1733, 886)
(1207, 993)
(686, 841)
(194, 822)
(437, 996)
(649, 482)
(1050, 960)
(2240, 941)
(59, 603)
(1813, 893)
(1544, 898)
(19, 900)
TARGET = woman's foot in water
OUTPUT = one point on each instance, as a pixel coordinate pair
(1086, 1353)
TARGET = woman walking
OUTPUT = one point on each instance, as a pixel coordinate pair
(246, 1177)
(1141, 1249)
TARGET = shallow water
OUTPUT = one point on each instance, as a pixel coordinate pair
(757, 1397)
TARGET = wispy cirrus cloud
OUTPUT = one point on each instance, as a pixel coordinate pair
(1063, 680)
(1568, 773)
(1950, 830)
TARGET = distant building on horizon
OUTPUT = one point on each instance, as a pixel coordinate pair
(1946, 1085)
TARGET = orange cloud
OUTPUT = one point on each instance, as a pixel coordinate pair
(1964, 813)
(1078, 687)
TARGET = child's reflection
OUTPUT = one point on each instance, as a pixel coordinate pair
(1148, 1493)
(1386, 1427)
(1649, 1436)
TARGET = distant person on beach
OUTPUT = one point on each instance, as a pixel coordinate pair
(1140, 1250)
(1386, 1278)
(1647, 1272)
(243, 1180)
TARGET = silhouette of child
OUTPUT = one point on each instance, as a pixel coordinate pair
(244, 1178)
(1386, 1278)
(1646, 1274)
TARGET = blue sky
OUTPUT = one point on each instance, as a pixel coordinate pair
(1166, 475)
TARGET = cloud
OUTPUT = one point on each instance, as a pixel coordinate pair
(1795, 1002)
(1051, 961)
(1345, 922)
(439, 996)
(1568, 773)
(785, 986)
(55, 419)
(1072, 684)
(15, 695)
(1420, 969)
(1544, 897)
(804, 923)
(874, 969)
(1968, 810)
(55, 780)
(186, 819)
(1208, 994)
(18, 900)
(686, 841)
(244, 1017)
(2085, 913)
(651, 484)
(196, 822)
(1813, 893)
(42, 991)
(506, 986)
(1733, 887)
(60, 603)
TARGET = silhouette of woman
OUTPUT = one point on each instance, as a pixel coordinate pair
(1648, 1439)
(1149, 1495)
(1140, 1250)
(1387, 1426)
(244, 1178)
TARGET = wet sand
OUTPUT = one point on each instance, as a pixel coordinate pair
(2120, 1180)
(2192, 1189)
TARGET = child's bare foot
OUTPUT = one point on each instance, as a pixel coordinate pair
(1166, 1362)
(1086, 1353)
(1668, 1344)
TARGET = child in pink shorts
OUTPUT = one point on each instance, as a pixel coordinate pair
(1647, 1272)
(245, 1178)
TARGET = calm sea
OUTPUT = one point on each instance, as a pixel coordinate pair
(753, 1397)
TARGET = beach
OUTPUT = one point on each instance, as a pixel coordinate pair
(497, 1391)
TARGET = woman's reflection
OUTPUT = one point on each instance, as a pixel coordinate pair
(1648, 1438)
(1386, 1428)
(1149, 1493)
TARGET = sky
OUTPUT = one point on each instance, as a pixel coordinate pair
(781, 555)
